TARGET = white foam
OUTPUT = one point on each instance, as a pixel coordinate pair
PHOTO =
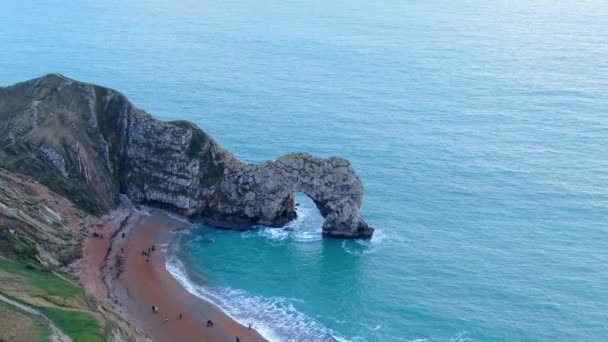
(306, 227)
(179, 218)
(378, 237)
(277, 234)
(460, 337)
(353, 248)
(276, 319)
(307, 236)
(341, 339)
(362, 247)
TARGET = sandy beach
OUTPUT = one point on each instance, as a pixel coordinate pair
(115, 269)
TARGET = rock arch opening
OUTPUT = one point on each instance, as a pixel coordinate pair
(307, 215)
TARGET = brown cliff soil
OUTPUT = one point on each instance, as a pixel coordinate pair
(138, 285)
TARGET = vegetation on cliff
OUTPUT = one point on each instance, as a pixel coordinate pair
(40, 234)
(91, 144)
(54, 294)
(16, 326)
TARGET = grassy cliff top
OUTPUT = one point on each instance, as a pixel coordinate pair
(54, 294)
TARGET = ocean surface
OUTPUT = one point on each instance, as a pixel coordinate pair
(479, 129)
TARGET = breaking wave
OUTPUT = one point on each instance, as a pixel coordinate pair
(276, 319)
(305, 228)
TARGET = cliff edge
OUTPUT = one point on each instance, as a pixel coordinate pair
(90, 144)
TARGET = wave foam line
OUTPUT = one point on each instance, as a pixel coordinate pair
(276, 319)
(304, 228)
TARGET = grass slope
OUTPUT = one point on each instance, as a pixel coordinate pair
(79, 325)
(41, 282)
(18, 327)
(61, 300)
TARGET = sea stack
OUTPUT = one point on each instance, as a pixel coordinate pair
(90, 144)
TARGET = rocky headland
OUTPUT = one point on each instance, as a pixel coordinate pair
(90, 144)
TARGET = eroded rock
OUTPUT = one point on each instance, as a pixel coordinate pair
(99, 146)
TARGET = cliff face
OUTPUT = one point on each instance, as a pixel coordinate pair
(37, 225)
(90, 144)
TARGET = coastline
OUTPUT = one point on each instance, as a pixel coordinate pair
(131, 285)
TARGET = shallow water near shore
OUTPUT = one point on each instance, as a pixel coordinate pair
(478, 129)
(243, 280)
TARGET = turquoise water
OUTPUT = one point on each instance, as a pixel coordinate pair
(479, 129)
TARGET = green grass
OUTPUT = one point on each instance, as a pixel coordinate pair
(181, 123)
(17, 326)
(46, 282)
(199, 139)
(214, 173)
(289, 157)
(79, 325)
(16, 247)
(23, 159)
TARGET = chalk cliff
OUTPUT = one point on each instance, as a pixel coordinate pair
(90, 144)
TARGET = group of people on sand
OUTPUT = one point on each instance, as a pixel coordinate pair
(148, 252)
(97, 235)
(209, 322)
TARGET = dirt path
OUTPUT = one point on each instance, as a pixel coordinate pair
(56, 334)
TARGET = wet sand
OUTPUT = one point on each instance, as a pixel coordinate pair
(136, 285)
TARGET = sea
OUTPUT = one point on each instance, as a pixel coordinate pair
(478, 128)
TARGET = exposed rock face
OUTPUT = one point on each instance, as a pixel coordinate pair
(263, 194)
(41, 228)
(90, 144)
(37, 225)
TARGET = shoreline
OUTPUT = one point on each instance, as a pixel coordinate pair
(132, 285)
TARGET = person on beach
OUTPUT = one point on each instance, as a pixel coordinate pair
(209, 323)
(122, 250)
(180, 316)
(238, 339)
(166, 319)
(123, 235)
(153, 248)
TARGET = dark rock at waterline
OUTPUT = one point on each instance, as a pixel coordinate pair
(90, 144)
